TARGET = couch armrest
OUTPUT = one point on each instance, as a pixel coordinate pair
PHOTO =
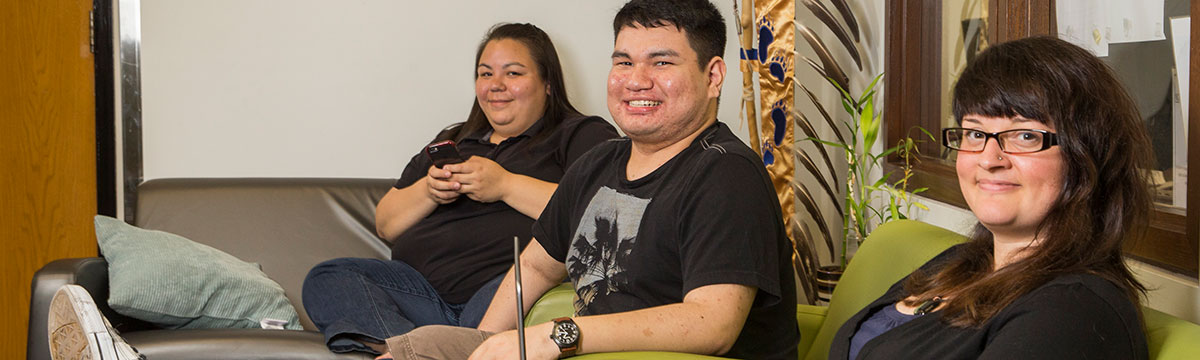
(810, 318)
(1169, 337)
(236, 344)
(92, 275)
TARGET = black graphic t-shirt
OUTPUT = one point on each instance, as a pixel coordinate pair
(708, 216)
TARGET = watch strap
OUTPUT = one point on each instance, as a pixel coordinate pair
(565, 351)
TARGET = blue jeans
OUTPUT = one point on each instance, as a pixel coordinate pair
(352, 298)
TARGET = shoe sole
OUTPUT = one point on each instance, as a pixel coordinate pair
(76, 328)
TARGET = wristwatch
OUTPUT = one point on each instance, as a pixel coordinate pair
(566, 335)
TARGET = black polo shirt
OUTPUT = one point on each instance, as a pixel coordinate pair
(463, 244)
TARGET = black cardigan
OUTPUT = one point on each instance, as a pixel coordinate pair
(1077, 316)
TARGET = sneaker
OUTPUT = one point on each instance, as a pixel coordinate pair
(78, 331)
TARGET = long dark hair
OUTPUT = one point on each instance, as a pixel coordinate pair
(1104, 198)
(558, 106)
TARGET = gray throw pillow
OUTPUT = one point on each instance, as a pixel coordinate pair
(168, 280)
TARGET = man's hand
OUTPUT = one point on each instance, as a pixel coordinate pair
(481, 179)
(441, 188)
(538, 345)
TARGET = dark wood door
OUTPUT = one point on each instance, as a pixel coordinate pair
(47, 149)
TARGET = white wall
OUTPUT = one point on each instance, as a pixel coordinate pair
(333, 88)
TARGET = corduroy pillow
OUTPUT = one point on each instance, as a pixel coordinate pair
(168, 280)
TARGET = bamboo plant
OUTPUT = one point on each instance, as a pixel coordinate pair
(865, 203)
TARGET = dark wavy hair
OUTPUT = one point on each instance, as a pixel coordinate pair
(558, 106)
(699, 20)
(1104, 199)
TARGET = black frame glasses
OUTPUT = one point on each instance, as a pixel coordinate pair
(952, 139)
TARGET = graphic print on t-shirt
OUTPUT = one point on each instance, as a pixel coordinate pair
(602, 244)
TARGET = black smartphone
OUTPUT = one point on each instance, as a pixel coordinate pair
(443, 153)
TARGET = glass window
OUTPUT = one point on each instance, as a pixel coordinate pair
(1147, 68)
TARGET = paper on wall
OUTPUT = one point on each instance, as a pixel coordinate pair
(1181, 33)
(1181, 44)
(1133, 20)
(1082, 22)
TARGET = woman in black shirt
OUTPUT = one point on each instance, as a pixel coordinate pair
(451, 227)
(1052, 157)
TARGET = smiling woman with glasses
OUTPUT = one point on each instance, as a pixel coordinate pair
(1050, 158)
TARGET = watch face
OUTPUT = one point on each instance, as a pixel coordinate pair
(565, 333)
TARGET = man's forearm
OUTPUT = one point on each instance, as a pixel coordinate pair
(539, 273)
(707, 322)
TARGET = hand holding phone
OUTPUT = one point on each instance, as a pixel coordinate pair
(443, 153)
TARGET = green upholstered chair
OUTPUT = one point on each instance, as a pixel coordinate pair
(891, 252)
(896, 249)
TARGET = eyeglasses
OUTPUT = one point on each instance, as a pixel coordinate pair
(1015, 141)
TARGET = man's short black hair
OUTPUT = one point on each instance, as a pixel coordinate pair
(698, 19)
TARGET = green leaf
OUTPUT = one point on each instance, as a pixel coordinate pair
(845, 94)
(894, 209)
(887, 152)
(830, 143)
(866, 97)
(869, 125)
(920, 190)
(931, 137)
(878, 214)
(850, 128)
(922, 206)
(880, 182)
(875, 81)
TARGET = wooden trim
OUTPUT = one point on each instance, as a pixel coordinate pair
(1165, 245)
(913, 52)
(1191, 230)
(1015, 19)
(938, 176)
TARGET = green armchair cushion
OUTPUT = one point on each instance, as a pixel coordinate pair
(889, 254)
(1170, 337)
(897, 248)
(556, 303)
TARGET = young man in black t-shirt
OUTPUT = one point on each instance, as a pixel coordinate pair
(673, 237)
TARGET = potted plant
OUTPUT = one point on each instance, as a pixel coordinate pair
(860, 197)
(865, 202)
